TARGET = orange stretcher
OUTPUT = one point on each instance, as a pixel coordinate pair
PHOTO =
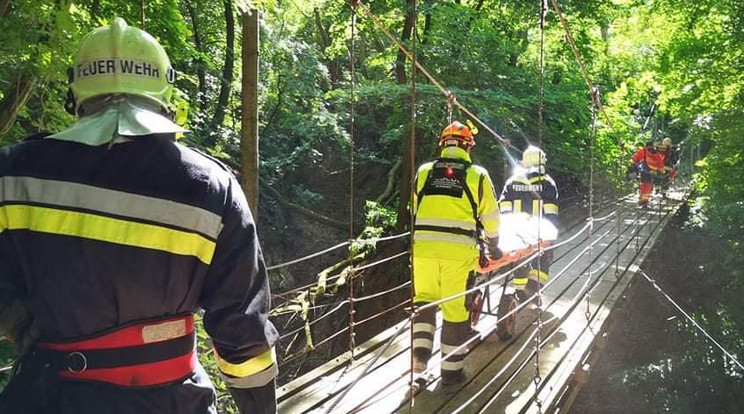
(510, 258)
(508, 302)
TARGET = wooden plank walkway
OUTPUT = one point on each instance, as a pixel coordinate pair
(500, 374)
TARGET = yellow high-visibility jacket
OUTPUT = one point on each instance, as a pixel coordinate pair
(445, 219)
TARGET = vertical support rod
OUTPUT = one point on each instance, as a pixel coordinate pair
(620, 210)
(352, 128)
(538, 337)
(595, 104)
(249, 117)
(412, 163)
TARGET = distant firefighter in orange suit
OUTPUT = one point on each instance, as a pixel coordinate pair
(649, 163)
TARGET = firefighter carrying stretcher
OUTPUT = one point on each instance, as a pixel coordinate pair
(112, 236)
(529, 196)
(454, 205)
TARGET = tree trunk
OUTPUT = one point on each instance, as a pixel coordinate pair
(249, 137)
(227, 70)
(15, 99)
(390, 188)
(201, 74)
(95, 9)
(341, 225)
(4, 7)
(400, 62)
(324, 41)
(400, 76)
(404, 214)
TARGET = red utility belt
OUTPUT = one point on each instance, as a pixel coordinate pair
(139, 355)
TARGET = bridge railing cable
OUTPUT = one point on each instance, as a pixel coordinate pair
(336, 247)
(557, 277)
(692, 320)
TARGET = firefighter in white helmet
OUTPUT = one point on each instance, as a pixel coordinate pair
(532, 192)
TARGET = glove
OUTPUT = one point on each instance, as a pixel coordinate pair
(259, 400)
(18, 325)
(631, 173)
(493, 249)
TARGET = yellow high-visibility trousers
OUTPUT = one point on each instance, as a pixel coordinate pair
(435, 279)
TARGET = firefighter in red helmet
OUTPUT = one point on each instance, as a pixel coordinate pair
(455, 209)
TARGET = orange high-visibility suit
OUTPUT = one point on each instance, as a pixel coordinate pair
(649, 163)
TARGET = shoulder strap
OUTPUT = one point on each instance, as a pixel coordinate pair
(464, 183)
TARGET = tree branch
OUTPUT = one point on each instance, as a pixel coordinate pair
(302, 210)
(14, 100)
(390, 188)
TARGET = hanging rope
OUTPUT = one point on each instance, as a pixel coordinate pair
(412, 164)
(595, 99)
(620, 210)
(352, 63)
(538, 333)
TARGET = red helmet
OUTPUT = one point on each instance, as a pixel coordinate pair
(457, 132)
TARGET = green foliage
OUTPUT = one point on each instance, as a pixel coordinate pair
(7, 355)
(665, 68)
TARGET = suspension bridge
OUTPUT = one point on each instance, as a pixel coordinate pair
(592, 271)
(557, 332)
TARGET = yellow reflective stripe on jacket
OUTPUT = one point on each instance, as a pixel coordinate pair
(535, 179)
(550, 208)
(506, 206)
(536, 208)
(74, 196)
(249, 367)
(107, 229)
(534, 275)
(517, 206)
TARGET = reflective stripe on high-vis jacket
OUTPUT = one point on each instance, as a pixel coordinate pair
(107, 229)
(250, 367)
(550, 208)
(111, 202)
(88, 212)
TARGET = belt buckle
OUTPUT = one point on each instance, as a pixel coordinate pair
(76, 368)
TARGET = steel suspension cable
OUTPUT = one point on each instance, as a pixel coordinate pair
(447, 94)
(337, 276)
(689, 318)
(332, 248)
(595, 99)
(580, 61)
